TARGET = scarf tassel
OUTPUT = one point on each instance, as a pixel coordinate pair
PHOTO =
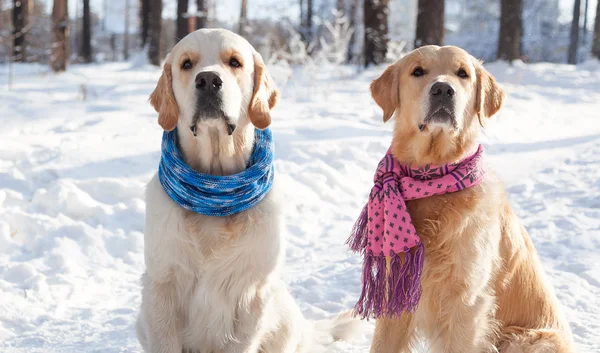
(358, 237)
(389, 293)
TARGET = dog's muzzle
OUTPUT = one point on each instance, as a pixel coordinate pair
(209, 102)
(441, 104)
(209, 95)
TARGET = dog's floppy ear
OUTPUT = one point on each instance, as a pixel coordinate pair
(386, 91)
(163, 98)
(489, 94)
(264, 96)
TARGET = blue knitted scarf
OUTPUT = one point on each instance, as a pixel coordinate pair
(217, 195)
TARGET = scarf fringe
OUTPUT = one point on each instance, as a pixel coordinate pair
(389, 293)
(358, 237)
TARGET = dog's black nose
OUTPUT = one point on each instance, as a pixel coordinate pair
(442, 89)
(208, 81)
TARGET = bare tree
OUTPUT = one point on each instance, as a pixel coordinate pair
(154, 30)
(376, 31)
(20, 10)
(309, 20)
(144, 21)
(60, 24)
(430, 23)
(585, 20)
(243, 18)
(75, 29)
(202, 18)
(352, 42)
(574, 43)
(511, 30)
(182, 20)
(302, 15)
(306, 19)
(86, 45)
(596, 42)
(104, 14)
(113, 46)
(2, 20)
(126, 32)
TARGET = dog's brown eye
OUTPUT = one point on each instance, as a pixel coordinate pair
(462, 73)
(418, 72)
(187, 65)
(233, 62)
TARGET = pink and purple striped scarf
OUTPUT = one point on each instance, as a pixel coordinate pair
(385, 228)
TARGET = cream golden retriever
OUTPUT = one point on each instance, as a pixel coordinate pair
(483, 284)
(212, 284)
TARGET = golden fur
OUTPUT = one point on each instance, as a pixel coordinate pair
(483, 283)
(163, 99)
(264, 96)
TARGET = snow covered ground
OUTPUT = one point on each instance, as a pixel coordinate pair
(72, 175)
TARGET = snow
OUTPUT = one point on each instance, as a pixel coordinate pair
(73, 172)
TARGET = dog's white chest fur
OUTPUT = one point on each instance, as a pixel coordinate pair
(222, 269)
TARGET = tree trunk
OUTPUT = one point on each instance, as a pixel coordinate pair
(76, 30)
(574, 33)
(306, 12)
(341, 7)
(243, 18)
(60, 24)
(306, 15)
(19, 29)
(144, 21)
(154, 30)
(302, 15)
(126, 32)
(202, 18)
(86, 46)
(585, 20)
(104, 13)
(182, 21)
(596, 42)
(430, 23)
(376, 31)
(2, 21)
(511, 30)
(352, 41)
(309, 20)
(113, 46)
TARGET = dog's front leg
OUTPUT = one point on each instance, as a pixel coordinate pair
(467, 327)
(393, 335)
(249, 328)
(248, 339)
(163, 327)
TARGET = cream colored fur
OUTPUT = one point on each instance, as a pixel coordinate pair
(212, 284)
(483, 284)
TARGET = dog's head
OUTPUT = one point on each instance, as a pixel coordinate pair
(439, 96)
(214, 77)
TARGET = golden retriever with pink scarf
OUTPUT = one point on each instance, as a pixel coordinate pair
(483, 286)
